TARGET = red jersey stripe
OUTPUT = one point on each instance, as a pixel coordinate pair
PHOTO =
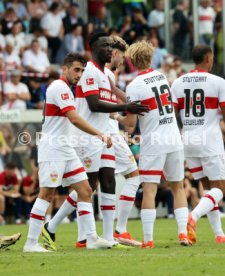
(108, 157)
(69, 174)
(205, 18)
(68, 108)
(222, 104)
(210, 103)
(197, 169)
(81, 94)
(150, 172)
(151, 102)
(53, 110)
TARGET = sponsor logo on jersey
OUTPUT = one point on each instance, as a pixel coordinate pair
(53, 176)
(87, 162)
(90, 81)
(65, 96)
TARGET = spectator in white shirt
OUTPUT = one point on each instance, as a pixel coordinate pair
(206, 17)
(11, 59)
(53, 29)
(35, 60)
(15, 92)
(37, 34)
(156, 19)
(2, 39)
(17, 38)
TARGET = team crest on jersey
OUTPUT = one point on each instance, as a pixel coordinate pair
(53, 176)
(131, 157)
(87, 162)
(90, 81)
(65, 96)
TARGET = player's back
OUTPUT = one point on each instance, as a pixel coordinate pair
(159, 128)
(198, 95)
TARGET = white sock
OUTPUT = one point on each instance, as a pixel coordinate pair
(37, 217)
(86, 217)
(126, 202)
(207, 202)
(181, 215)
(108, 202)
(215, 221)
(148, 217)
(81, 231)
(68, 206)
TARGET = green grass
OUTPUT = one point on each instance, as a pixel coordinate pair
(167, 258)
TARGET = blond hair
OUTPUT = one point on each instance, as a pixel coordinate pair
(118, 43)
(140, 53)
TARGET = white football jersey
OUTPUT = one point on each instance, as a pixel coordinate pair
(93, 81)
(198, 95)
(55, 143)
(113, 124)
(159, 130)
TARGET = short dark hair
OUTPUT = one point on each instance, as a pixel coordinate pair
(71, 57)
(199, 52)
(95, 37)
(10, 166)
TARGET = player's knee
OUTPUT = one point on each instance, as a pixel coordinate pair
(46, 194)
(85, 193)
(177, 187)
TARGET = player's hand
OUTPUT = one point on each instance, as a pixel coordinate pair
(137, 108)
(107, 140)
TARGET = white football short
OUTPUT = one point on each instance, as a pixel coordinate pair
(212, 167)
(96, 157)
(170, 165)
(125, 161)
(53, 174)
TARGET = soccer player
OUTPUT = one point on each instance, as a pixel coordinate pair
(6, 241)
(198, 95)
(94, 102)
(161, 150)
(58, 162)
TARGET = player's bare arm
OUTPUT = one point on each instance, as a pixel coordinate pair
(129, 121)
(118, 92)
(80, 123)
(96, 105)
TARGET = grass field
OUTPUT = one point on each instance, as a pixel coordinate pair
(167, 258)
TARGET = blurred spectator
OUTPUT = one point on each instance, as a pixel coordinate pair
(9, 191)
(156, 19)
(139, 23)
(36, 60)
(94, 6)
(129, 5)
(36, 9)
(2, 9)
(29, 190)
(72, 18)
(7, 21)
(17, 38)
(2, 39)
(72, 42)
(126, 26)
(36, 101)
(52, 76)
(16, 93)
(158, 56)
(168, 70)
(181, 28)
(39, 35)
(88, 32)
(11, 59)
(53, 29)
(4, 149)
(19, 8)
(177, 66)
(206, 16)
(100, 20)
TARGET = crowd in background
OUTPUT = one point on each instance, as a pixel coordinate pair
(35, 36)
